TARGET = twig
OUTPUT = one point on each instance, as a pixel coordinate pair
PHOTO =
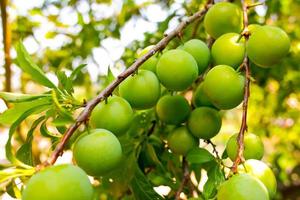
(7, 44)
(214, 149)
(84, 115)
(240, 138)
(185, 178)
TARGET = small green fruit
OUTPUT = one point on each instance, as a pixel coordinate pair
(253, 147)
(200, 98)
(242, 187)
(204, 122)
(61, 182)
(142, 90)
(149, 64)
(114, 115)
(200, 51)
(173, 109)
(224, 87)
(223, 18)
(227, 50)
(177, 70)
(181, 141)
(98, 152)
(267, 45)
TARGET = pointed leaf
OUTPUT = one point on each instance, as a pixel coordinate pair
(215, 178)
(76, 71)
(199, 156)
(18, 97)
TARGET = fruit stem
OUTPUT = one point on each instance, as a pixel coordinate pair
(240, 139)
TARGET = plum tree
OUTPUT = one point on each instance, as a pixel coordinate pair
(253, 147)
(228, 50)
(200, 98)
(242, 187)
(223, 17)
(267, 45)
(61, 182)
(97, 152)
(204, 122)
(224, 87)
(261, 171)
(177, 70)
(181, 141)
(200, 51)
(166, 111)
(114, 106)
(149, 64)
(142, 90)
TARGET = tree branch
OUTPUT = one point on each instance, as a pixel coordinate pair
(84, 115)
(7, 44)
(243, 129)
(185, 178)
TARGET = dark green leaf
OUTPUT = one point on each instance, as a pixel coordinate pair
(224, 155)
(17, 97)
(13, 190)
(199, 156)
(215, 178)
(27, 65)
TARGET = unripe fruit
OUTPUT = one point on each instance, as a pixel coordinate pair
(173, 109)
(149, 64)
(61, 182)
(199, 50)
(142, 90)
(223, 18)
(177, 70)
(98, 152)
(261, 171)
(114, 115)
(204, 122)
(224, 87)
(242, 187)
(253, 27)
(181, 141)
(227, 50)
(200, 98)
(267, 45)
(253, 147)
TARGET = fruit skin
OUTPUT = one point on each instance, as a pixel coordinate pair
(261, 171)
(149, 64)
(142, 90)
(181, 141)
(267, 45)
(200, 51)
(173, 109)
(204, 122)
(253, 27)
(177, 70)
(253, 147)
(227, 50)
(242, 187)
(223, 18)
(200, 98)
(61, 182)
(98, 152)
(114, 115)
(224, 87)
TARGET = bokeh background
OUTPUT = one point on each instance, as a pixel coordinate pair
(107, 34)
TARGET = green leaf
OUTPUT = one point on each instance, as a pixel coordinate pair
(27, 65)
(11, 173)
(199, 156)
(65, 83)
(17, 97)
(224, 155)
(46, 133)
(215, 178)
(12, 114)
(76, 71)
(142, 188)
(13, 190)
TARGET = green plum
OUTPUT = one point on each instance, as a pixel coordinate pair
(173, 109)
(261, 171)
(204, 122)
(98, 152)
(141, 90)
(224, 87)
(200, 98)
(227, 50)
(200, 51)
(242, 187)
(149, 64)
(181, 141)
(223, 17)
(177, 70)
(267, 45)
(114, 115)
(253, 147)
(61, 182)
